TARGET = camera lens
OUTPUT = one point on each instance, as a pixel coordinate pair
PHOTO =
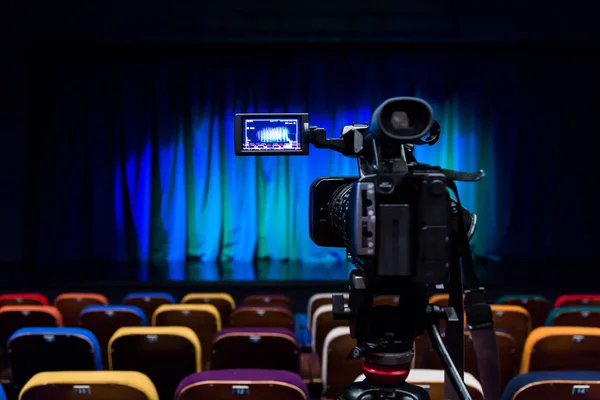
(338, 211)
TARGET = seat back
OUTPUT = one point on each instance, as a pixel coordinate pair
(514, 320)
(574, 316)
(537, 306)
(554, 385)
(262, 317)
(432, 380)
(13, 318)
(104, 321)
(336, 370)
(575, 300)
(507, 356)
(440, 299)
(268, 300)
(320, 299)
(165, 354)
(89, 385)
(71, 304)
(23, 299)
(252, 384)
(203, 319)
(223, 301)
(321, 325)
(261, 348)
(148, 301)
(33, 350)
(560, 348)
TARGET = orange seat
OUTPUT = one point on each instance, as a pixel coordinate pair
(386, 300)
(560, 348)
(70, 305)
(514, 320)
(337, 371)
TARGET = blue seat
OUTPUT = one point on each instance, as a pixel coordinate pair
(552, 385)
(2, 394)
(104, 321)
(148, 301)
(150, 295)
(33, 350)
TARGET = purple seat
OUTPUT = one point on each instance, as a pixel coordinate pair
(262, 348)
(253, 384)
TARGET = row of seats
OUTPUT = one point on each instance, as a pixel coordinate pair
(274, 385)
(321, 323)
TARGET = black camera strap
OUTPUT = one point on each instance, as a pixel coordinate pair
(479, 317)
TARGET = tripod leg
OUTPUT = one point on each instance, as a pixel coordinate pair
(451, 371)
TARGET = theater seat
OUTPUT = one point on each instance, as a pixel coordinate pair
(104, 321)
(573, 300)
(2, 394)
(320, 299)
(262, 317)
(248, 383)
(260, 348)
(336, 370)
(514, 320)
(34, 350)
(537, 306)
(268, 300)
(148, 301)
(507, 356)
(560, 348)
(23, 299)
(223, 301)
(89, 385)
(166, 354)
(203, 319)
(321, 325)
(574, 316)
(71, 304)
(13, 318)
(554, 385)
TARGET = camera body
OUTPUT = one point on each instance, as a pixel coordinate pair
(396, 218)
(402, 231)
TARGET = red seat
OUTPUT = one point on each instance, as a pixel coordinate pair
(23, 299)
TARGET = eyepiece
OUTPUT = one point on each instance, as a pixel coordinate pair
(402, 119)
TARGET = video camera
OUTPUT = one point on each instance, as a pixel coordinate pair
(400, 226)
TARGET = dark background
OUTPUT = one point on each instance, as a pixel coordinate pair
(550, 50)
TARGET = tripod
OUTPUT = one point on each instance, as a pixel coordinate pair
(385, 337)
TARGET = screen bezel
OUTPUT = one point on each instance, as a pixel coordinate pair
(238, 136)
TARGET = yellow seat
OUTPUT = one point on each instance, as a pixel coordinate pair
(166, 354)
(89, 385)
(203, 319)
(223, 301)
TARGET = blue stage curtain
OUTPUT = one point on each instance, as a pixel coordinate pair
(130, 153)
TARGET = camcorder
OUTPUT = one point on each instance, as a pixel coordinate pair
(400, 225)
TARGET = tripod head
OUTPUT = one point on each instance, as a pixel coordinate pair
(385, 338)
